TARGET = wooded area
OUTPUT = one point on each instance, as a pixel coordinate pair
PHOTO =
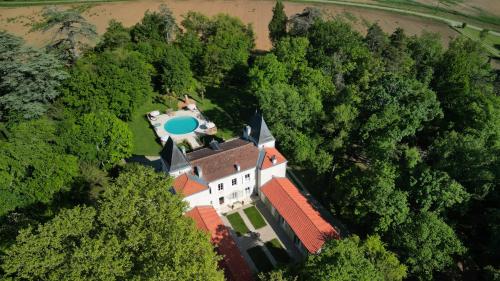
(401, 137)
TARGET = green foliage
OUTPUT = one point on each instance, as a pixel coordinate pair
(353, 259)
(426, 50)
(116, 36)
(116, 81)
(277, 25)
(226, 42)
(133, 233)
(72, 31)
(427, 244)
(99, 138)
(32, 167)
(29, 79)
(156, 26)
(376, 39)
(435, 191)
(175, 73)
(370, 196)
(395, 108)
(355, 66)
(464, 86)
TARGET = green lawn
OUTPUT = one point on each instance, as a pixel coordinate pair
(255, 217)
(238, 224)
(490, 42)
(260, 259)
(144, 136)
(278, 252)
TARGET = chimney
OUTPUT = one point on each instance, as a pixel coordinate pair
(198, 171)
(246, 132)
(274, 160)
(214, 145)
(237, 167)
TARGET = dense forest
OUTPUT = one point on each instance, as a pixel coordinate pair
(399, 137)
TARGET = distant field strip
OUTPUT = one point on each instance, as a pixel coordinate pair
(448, 21)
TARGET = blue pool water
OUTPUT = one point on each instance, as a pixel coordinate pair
(181, 125)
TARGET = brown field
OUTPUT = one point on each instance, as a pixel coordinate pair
(257, 12)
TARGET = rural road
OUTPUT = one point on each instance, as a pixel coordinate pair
(450, 22)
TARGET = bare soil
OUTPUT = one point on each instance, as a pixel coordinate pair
(18, 20)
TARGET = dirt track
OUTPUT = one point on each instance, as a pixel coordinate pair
(256, 12)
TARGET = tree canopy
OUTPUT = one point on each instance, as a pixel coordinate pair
(137, 231)
(29, 79)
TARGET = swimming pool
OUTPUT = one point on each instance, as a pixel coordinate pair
(181, 125)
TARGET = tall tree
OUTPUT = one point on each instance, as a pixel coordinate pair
(116, 81)
(160, 26)
(29, 79)
(137, 231)
(427, 244)
(72, 31)
(33, 168)
(116, 35)
(376, 39)
(353, 259)
(175, 73)
(100, 138)
(277, 25)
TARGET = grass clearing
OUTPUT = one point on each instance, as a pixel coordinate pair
(279, 253)
(491, 42)
(260, 259)
(255, 217)
(145, 140)
(238, 224)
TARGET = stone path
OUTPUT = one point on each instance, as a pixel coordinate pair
(266, 233)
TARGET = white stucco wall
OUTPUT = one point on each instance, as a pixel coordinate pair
(266, 175)
(229, 189)
(198, 199)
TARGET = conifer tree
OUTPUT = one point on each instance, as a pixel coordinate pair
(277, 26)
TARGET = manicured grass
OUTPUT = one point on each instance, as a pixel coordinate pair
(278, 252)
(260, 259)
(255, 217)
(145, 140)
(238, 224)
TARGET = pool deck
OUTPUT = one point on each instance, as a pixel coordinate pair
(159, 121)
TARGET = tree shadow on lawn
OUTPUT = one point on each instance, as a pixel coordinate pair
(233, 107)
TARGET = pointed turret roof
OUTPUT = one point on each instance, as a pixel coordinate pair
(260, 132)
(173, 156)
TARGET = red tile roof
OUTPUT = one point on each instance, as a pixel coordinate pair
(305, 221)
(235, 266)
(270, 152)
(186, 186)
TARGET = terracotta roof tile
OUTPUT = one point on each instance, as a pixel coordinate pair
(186, 185)
(235, 266)
(216, 164)
(270, 152)
(305, 221)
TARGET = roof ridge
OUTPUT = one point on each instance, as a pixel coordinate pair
(310, 220)
(202, 219)
(230, 149)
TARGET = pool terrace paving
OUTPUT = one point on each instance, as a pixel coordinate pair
(265, 234)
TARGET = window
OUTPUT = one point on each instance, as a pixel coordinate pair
(247, 177)
(234, 181)
(209, 190)
(234, 195)
(220, 186)
(221, 200)
(247, 190)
